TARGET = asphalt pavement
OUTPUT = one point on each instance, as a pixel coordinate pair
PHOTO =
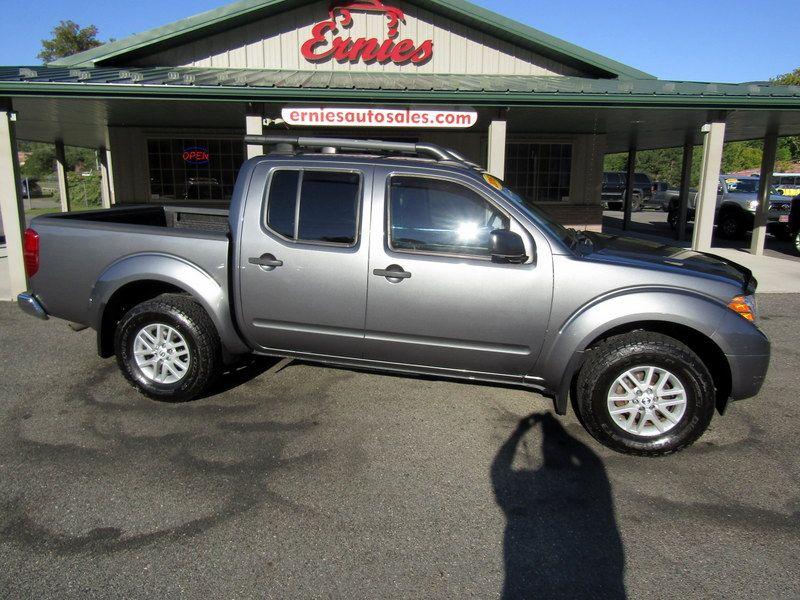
(312, 482)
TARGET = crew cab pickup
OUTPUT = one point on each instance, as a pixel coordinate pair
(737, 201)
(406, 258)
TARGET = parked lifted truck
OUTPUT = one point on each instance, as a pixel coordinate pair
(406, 258)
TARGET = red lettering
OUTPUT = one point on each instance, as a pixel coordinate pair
(423, 53)
(403, 51)
(317, 48)
(308, 49)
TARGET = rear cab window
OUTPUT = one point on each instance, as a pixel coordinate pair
(314, 206)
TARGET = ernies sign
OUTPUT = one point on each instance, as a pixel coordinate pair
(367, 50)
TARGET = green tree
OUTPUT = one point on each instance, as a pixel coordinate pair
(68, 38)
(792, 78)
(40, 163)
(789, 147)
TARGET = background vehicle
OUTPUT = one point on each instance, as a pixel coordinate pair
(787, 183)
(664, 195)
(737, 200)
(615, 187)
(419, 265)
(31, 188)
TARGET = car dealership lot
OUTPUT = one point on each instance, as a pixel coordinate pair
(316, 482)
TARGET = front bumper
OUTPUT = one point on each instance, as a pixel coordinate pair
(31, 306)
(747, 375)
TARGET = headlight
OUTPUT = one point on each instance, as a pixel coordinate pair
(744, 306)
(753, 204)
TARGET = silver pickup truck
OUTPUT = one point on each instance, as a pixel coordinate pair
(406, 258)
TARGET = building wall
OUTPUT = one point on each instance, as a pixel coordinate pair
(581, 210)
(274, 43)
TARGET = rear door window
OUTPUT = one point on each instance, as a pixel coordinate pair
(314, 206)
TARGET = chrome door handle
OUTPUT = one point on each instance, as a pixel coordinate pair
(392, 272)
(267, 261)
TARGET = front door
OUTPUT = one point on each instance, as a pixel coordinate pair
(303, 260)
(435, 297)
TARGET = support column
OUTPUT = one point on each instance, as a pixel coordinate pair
(631, 177)
(705, 211)
(496, 160)
(61, 173)
(762, 212)
(106, 177)
(254, 125)
(11, 202)
(686, 184)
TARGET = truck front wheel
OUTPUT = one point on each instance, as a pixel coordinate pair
(644, 393)
(168, 348)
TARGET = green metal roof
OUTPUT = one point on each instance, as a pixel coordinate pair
(237, 13)
(338, 86)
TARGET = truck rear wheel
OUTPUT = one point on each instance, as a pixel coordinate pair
(644, 393)
(168, 348)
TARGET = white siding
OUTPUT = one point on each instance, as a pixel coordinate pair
(274, 43)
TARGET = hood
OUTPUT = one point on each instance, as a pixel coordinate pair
(646, 254)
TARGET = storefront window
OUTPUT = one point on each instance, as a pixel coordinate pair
(539, 171)
(193, 169)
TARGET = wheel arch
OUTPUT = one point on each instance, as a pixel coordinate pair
(688, 318)
(141, 277)
(701, 344)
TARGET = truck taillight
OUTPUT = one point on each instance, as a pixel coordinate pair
(30, 251)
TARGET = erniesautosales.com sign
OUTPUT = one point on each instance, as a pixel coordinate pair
(378, 117)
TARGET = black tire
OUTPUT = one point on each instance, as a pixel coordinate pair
(610, 359)
(192, 322)
(731, 226)
(672, 219)
(637, 204)
(796, 241)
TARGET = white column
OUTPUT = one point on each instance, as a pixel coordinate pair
(11, 204)
(61, 172)
(713, 142)
(106, 180)
(496, 160)
(254, 125)
(762, 212)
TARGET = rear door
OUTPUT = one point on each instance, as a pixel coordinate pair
(303, 260)
(450, 306)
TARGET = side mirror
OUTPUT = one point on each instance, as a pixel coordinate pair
(507, 247)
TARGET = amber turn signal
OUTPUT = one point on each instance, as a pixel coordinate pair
(744, 307)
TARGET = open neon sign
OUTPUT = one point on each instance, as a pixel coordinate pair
(196, 155)
(368, 50)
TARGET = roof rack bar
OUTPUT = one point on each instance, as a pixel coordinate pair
(433, 150)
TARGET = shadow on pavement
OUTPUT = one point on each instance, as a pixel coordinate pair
(240, 373)
(561, 538)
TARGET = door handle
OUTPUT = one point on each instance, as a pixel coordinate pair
(268, 261)
(392, 272)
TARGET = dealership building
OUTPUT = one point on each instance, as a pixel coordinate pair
(168, 108)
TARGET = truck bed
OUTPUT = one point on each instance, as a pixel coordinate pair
(171, 216)
(77, 248)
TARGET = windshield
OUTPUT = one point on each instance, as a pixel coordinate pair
(747, 186)
(537, 215)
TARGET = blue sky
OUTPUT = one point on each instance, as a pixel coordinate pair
(746, 40)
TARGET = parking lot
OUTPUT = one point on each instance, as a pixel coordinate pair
(320, 482)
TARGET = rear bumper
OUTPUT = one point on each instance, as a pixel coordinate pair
(31, 306)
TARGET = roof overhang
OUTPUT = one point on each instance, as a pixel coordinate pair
(250, 85)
